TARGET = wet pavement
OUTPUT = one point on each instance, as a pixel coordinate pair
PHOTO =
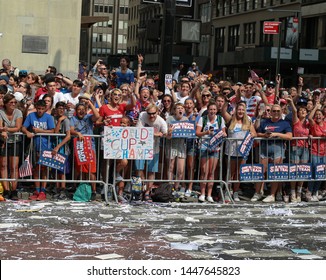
(142, 231)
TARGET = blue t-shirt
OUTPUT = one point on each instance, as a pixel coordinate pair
(124, 78)
(85, 126)
(45, 122)
(281, 126)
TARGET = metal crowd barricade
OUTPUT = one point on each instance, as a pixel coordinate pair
(52, 174)
(191, 170)
(255, 157)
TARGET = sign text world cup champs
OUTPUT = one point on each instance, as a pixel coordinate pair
(128, 143)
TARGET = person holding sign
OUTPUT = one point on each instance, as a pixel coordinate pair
(39, 122)
(239, 124)
(62, 126)
(275, 130)
(150, 118)
(206, 128)
(80, 125)
(175, 148)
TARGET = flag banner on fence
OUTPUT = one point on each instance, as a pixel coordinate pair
(216, 140)
(26, 168)
(251, 172)
(57, 161)
(246, 145)
(184, 129)
(320, 171)
(278, 171)
(300, 171)
(83, 150)
(128, 143)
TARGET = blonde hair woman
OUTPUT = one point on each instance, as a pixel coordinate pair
(239, 125)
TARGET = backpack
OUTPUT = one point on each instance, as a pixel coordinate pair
(205, 120)
(163, 193)
(83, 193)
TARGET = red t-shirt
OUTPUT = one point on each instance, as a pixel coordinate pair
(116, 115)
(318, 145)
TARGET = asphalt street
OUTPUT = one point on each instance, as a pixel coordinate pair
(60, 230)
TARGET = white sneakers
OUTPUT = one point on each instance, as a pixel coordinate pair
(270, 198)
(256, 197)
(208, 199)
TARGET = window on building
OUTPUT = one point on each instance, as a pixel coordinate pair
(234, 35)
(232, 7)
(106, 9)
(120, 24)
(218, 8)
(94, 37)
(110, 9)
(246, 5)
(110, 23)
(122, 39)
(263, 3)
(225, 6)
(100, 9)
(96, 9)
(219, 38)
(254, 4)
(204, 45)
(249, 33)
(205, 12)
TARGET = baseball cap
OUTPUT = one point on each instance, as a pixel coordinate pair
(194, 64)
(85, 96)
(22, 73)
(302, 101)
(317, 91)
(5, 78)
(271, 84)
(19, 96)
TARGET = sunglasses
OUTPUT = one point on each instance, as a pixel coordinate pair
(151, 114)
(268, 110)
(206, 95)
(103, 68)
(116, 94)
(21, 86)
(166, 101)
(276, 111)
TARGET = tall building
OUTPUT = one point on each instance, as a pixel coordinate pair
(106, 34)
(240, 43)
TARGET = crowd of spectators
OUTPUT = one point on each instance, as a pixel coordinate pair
(52, 103)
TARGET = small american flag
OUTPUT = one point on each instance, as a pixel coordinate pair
(26, 168)
(254, 76)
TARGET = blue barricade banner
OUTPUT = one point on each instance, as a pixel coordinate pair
(278, 171)
(300, 171)
(250, 172)
(320, 171)
(246, 145)
(57, 162)
(216, 140)
(184, 129)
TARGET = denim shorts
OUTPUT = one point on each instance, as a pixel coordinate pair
(208, 154)
(272, 151)
(299, 154)
(152, 165)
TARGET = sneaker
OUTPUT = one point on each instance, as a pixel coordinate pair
(118, 177)
(314, 198)
(270, 198)
(293, 198)
(14, 195)
(41, 196)
(278, 197)
(299, 197)
(34, 195)
(187, 193)
(93, 196)
(121, 199)
(236, 197)
(321, 194)
(6, 194)
(62, 195)
(256, 197)
(286, 198)
(201, 198)
(308, 196)
(2, 198)
(210, 199)
(227, 198)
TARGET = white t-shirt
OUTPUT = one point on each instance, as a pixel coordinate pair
(58, 96)
(159, 125)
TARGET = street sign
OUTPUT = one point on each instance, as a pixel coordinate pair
(271, 27)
